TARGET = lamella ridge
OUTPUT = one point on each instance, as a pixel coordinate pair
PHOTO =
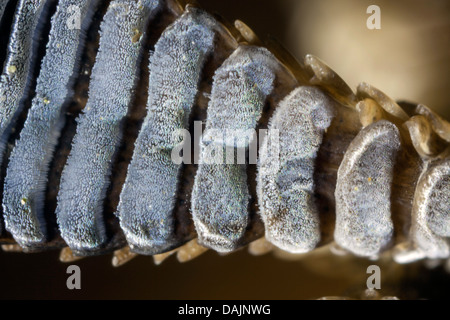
(23, 198)
(286, 172)
(148, 197)
(363, 224)
(85, 178)
(21, 56)
(220, 197)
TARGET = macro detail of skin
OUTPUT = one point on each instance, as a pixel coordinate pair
(28, 163)
(85, 177)
(354, 172)
(287, 196)
(148, 221)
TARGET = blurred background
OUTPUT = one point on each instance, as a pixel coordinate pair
(408, 58)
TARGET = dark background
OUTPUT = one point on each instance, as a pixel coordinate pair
(408, 59)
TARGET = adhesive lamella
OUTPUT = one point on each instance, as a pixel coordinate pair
(148, 195)
(85, 177)
(220, 196)
(23, 198)
(350, 170)
(286, 194)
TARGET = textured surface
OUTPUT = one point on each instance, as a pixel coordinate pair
(363, 223)
(239, 92)
(86, 176)
(225, 203)
(220, 197)
(438, 199)
(2, 7)
(23, 198)
(148, 196)
(140, 279)
(430, 212)
(15, 76)
(286, 171)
